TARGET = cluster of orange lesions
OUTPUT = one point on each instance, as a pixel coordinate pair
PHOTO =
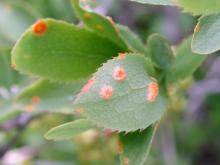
(120, 151)
(40, 27)
(32, 106)
(119, 74)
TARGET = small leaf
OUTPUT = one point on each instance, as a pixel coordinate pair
(69, 130)
(15, 18)
(136, 146)
(160, 52)
(201, 7)
(186, 62)
(122, 95)
(157, 2)
(102, 25)
(206, 37)
(131, 39)
(45, 95)
(59, 51)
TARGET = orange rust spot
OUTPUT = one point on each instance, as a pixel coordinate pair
(106, 92)
(29, 108)
(79, 110)
(35, 99)
(88, 85)
(120, 147)
(197, 28)
(40, 27)
(121, 56)
(99, 27)
(153, 91)
(13, 65)
(119, 74)
(87, 15)
(126, 160)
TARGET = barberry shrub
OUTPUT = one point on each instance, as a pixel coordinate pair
(102, 72)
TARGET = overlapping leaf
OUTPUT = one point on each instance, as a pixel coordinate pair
(102, 25)
(160, 52)
(128, 108)
(63, 53)
(131, 39)
(135, 146)
(186, 62)
(45, 95)
(206, 37)
(69, 130)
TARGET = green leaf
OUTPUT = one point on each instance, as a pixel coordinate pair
(131, 39)
(127, 109)
(160, 52)
(45, 95)
(8, 76)
(69, 130)
(206, 37)
(98, 23)
(15, 18)
(186, 62)
(136, 146)
(157, 2)
(63, 53)
(201, 7)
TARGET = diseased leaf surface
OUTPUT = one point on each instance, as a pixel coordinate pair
(128, 108)
(64, 52)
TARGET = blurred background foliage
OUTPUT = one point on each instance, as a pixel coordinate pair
(189, 134)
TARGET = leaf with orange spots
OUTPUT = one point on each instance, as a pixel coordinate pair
(102, 25)
(62, 52)
(69, 130)
(123, 105)
(136, 146)
(206, 38)
(49, 96)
